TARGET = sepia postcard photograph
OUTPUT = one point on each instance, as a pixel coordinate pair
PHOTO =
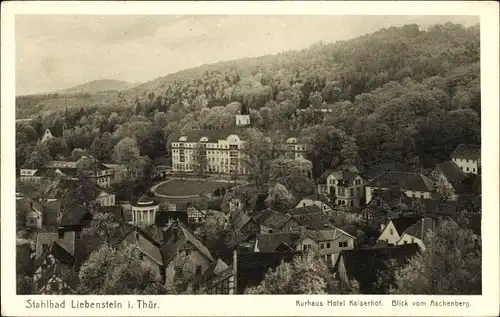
(159, 159)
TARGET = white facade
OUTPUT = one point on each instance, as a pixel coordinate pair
(105, 199)
(47, 135)
(408, 238)
(468, 166)
(389, 234)
(349, 195)
(408, 193)
(144, 212)
(242, 120)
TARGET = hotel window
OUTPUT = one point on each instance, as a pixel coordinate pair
(328, 245)
(467, 169)
(473, 169)
(351, 192)
(342, 244)
(322, 245)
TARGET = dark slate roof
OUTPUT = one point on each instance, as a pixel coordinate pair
(271, 218)
(253, 266)
(56, 132)
(239, 219)
(270, 242)
(172, 243)
(59, 252)
(403, 223)
(68, 241)
(345, 176)
(313, 221)
(467, 151)
(451, 171)
(421, 228)
(470, 185)
(307, 210)
(75, 216)
(403, 180)
(145, 243)
(211, 135)
(365, 265)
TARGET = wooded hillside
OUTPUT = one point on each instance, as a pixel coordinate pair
(400, 96)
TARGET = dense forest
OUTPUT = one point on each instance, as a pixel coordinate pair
(401, 96)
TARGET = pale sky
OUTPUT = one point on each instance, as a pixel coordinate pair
(60, 51)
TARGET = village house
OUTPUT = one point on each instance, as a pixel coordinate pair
(99, 173)
(326, 243)
(468, 158)
(449, 176)
(319, 200)
(144, 211)
(219, 279)
(52, 132)
(414, 185)
(345, 185)
(29, 214)
(75, 188)
(149, 249)
(393, 230)
(366, 266)
(179, 241)
(311, 220)
(74, 219)
(273, 221)
(53, 270)
(417, 233)
(242, 223)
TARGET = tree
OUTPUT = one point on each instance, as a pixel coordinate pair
(116, 271)
(279, 198)
(58, 148)
(214, 233)
(306, 275)
(77, 154)
(126, 152)
(293, 174)
(449, 265)
(40, 156)
(183, 280)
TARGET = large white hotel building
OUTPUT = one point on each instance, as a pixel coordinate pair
(221, 149)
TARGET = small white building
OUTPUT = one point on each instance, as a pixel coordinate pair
(144, 211)
(468, 158)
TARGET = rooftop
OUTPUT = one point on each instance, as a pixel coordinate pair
(467, 151)
(403, 180)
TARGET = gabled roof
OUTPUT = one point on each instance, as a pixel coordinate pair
(272, 219)
(270, 242)
(75, 216)
(57, 132)
(253, 266)
(239, 219)
(403, 180)
(467, 151)
(327, 234)
(307, 210)
(318, 197)
(345, 176)
(58, 252)
(313, 221)
(451, 171)
(67, 242)
(177, 237)
(145, 243)
(214, 269)
(365, 265)
(403, 223)
(421, 228)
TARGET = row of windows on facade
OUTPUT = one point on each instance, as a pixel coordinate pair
(467, 169)
(342, 191)
(334, 182)
(465, 160)
(208, 145)
(327, 245)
